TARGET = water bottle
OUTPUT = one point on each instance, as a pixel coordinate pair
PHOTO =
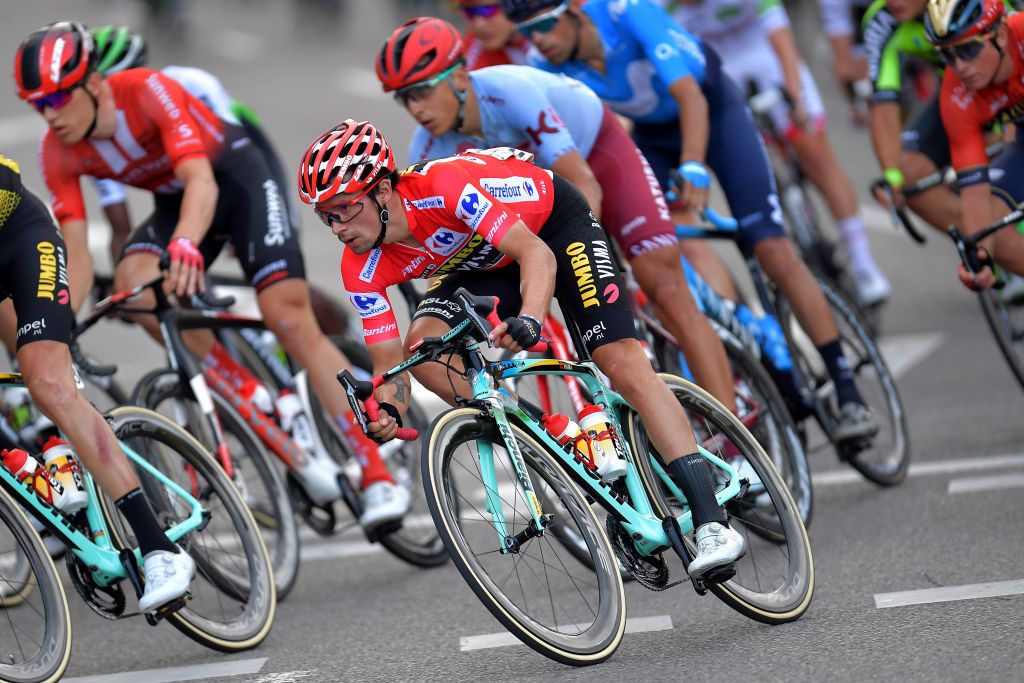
(769, 337)
(63, 466)
(596, 425)
(24, 466)
(318, 480)
(566, 431)
(294, 420)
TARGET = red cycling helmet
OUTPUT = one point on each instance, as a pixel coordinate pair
(349, 158)
(56, 57)
(418, 49)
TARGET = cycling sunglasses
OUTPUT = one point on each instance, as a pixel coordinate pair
(56, 100)
(345, 211)
(423, 89)
(482, 11)
(965, 52)
(542, 23)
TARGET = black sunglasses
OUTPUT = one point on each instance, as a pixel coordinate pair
(965, 52)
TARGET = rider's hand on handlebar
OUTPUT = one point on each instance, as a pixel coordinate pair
(983, 279)
(516, 334)
(186, 273)
(384, 429)
(690, 183)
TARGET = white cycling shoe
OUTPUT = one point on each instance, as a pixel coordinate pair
(383, 502)
(872, 287)
(168, 576)
(717, 545)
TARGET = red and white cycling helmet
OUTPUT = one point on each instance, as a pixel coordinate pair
(54, 58)
(417, 50)
(347, 159)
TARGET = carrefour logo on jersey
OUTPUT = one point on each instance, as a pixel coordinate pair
(445, 241)
(369, 305)
(371, 266)
(435, 202)
(472, 206)
(511, 190)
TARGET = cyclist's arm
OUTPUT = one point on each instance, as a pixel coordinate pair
(693, 118)
(574, 168)
(885, 133)
(69, 208)
(199, 199)
(536, 269)
(113, 201)
(397, 391)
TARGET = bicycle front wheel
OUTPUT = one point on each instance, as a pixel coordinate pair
(541, 593)
(35, 631)
(774, 580)
(1007, 324)
(234, 601)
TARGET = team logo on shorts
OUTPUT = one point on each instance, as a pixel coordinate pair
(445, 241)
(369, 304)
(53, 273)
(472, 206)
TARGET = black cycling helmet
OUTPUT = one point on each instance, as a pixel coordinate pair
(521, 10)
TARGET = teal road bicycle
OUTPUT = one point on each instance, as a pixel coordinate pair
(505, 495)
(232, 603)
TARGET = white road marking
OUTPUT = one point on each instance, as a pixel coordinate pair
(506, 639)
(195, 672)
(361, 83)
(904, 351)
(284, 677)
(991, 483)
(972, 591)
(24, 130)
(919, 469)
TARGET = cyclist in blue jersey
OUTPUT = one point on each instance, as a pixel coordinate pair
(570, 131)
(688, 112)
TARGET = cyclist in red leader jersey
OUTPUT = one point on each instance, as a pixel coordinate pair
(491, 39)
(984, 83)
(210, 185)
(436, 220)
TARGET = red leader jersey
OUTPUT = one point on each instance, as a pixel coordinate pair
(159, 125)
(477, 56)
(459, 210)
(966, 114)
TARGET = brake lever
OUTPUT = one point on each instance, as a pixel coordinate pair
(362, 390)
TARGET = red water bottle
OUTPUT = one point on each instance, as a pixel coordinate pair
(566, 431)
(24, 466)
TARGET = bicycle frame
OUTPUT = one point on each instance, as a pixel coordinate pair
(97, 552)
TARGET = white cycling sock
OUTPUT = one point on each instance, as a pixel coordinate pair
(856, 238)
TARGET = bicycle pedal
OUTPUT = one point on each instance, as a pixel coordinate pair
(384, 530)
(160, 613)
(719, 574)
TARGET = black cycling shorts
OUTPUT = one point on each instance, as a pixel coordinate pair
(33, 272)
(926, 134)
(587, 284)
(251, 213)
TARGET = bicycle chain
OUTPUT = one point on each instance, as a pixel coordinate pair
(106, 601)
(649, 572)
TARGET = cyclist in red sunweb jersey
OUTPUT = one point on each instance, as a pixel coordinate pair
(436, 220)
(210, 185)
(491, 39)
(984, 83)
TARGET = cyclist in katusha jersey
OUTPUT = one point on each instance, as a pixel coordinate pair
(439, 219)
(758, 52)
(210, 185)
(894, 29)
(570, 131)
(33, 273)
(984, 83)
(491, 39)
(646, 67)
(118, 48)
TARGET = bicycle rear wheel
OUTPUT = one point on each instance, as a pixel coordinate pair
(233, 602)
(553, 603)
(1007, 324)
(256, 473)
(35, 630)
(774, 580)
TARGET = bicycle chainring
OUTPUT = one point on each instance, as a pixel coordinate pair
(320, 518)
(106, 601)
(650, 572)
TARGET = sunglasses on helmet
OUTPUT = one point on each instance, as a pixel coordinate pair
(425, 88)
(55, 100)
(966, 52)
(542, 23)
(482, 11)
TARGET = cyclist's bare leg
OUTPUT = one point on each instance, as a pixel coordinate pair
(938, 206)
(46, 368)
(659, 274)
(434, 376)
(783, 266)
(704, 259)
(819, 163)
(8, 325)
(1007, 245)
(332, 318)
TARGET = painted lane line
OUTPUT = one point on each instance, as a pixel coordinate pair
(923, 469)
(904, 351)
(971, 591)
(991, 483)
(506, 639)
(196, 672)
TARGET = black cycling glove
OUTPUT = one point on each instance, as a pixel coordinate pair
(525, 330)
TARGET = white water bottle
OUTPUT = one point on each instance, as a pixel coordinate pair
(596, 425)
(60, 460)
(294, 420)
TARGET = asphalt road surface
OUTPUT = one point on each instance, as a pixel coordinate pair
(923, 582)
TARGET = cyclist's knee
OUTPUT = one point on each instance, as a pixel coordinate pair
(661, 277)
(777, 257)
(50, 382)
(915, 166)
(134, 269)
(425, 326)
(626, 365)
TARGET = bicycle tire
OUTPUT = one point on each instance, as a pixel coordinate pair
(589, 644)
(45, 596)
(786, 601)
(1001, 325)
(274, 510)
(248, 622)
